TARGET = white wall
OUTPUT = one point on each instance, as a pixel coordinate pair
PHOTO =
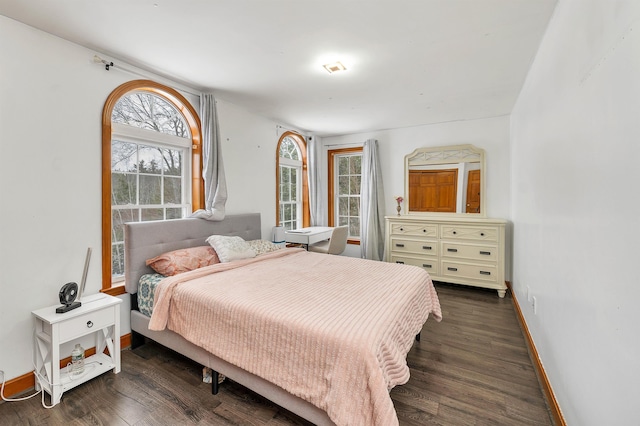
(249, 145)
(51, 100)
(491, 134)
(575, 147)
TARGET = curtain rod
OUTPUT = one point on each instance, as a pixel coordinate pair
(280, 128)
(109, 64)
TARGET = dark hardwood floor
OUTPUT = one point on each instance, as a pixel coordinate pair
(472, 368)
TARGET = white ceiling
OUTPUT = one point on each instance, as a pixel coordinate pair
(410, 62)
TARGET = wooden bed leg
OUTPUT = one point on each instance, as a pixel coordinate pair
(215, 386)
(418, 337)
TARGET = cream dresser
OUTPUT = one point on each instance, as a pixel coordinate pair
(453, 249)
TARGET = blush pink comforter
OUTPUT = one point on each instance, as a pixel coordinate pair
(332, 330)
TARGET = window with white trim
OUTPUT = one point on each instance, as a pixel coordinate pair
(290, 191)
(150, 166)
(344, 190)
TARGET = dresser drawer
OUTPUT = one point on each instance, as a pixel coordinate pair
(421, 247)
(487, 273)
(78, 326)
(469, 251)
(414, 230)
(476, 233)
(428, 264)
(455, 249)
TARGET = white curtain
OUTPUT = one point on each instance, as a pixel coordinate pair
(314, 157)
(215, 183)
(371, 204)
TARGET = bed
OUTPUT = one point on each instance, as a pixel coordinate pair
(314, 333)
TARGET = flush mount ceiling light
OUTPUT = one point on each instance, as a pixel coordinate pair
(335, 67)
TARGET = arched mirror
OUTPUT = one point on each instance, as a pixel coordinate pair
(446, 179)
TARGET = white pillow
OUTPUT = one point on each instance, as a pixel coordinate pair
(230, 248)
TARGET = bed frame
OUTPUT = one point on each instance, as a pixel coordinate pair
(144, 240)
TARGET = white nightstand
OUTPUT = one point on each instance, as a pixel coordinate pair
(99, 314)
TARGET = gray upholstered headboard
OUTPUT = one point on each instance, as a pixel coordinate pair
(144, 240)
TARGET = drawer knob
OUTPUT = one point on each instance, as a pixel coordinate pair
(89, 324)
(486, 253)
(452, 250)
(400, 262)
(455, 232)
(426, 247)
(424, 230)
(399, 245)
(424, 265)
(452, 269)
(402, 229)
(482, 234)
(485, 273)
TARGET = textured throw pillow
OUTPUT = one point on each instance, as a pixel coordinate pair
(146, 290)
(230, 248)
(183, 260)
(262, 246)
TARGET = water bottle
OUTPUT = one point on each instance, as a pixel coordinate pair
(77, 360)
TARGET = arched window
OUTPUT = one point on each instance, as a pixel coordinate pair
(291, 182)
(151, 164)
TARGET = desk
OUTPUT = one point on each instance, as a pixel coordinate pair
(310, 235)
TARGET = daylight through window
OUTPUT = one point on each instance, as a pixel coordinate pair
(345, 181)
(292, 187)
(150, 154)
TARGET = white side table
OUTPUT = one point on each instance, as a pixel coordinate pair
(99, 315)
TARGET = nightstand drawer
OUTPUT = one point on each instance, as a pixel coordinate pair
(81, 325)
(470, 251)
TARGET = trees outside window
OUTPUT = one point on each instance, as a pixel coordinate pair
(291, 178)
(151, 149)
(345, 173)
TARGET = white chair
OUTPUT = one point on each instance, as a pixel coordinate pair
(335, 245)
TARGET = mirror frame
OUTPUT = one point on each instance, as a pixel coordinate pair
(440, 155)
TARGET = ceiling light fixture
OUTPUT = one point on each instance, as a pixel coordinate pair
(335, 67)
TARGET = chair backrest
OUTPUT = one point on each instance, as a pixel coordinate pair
(338, 240)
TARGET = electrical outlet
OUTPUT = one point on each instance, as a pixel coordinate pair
(534, 303)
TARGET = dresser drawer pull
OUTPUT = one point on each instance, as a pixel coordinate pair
(400, 262)
(89, 324)
(424, 265)
(402, 229)
(486, 253)
(452, 269)
(485, 273)
(452, 250)
(424, 230)
(426, 247)
(399, 245)
(482, 234)
(454, 232)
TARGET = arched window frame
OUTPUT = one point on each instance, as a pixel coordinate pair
(302, 146)
(197, 183)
